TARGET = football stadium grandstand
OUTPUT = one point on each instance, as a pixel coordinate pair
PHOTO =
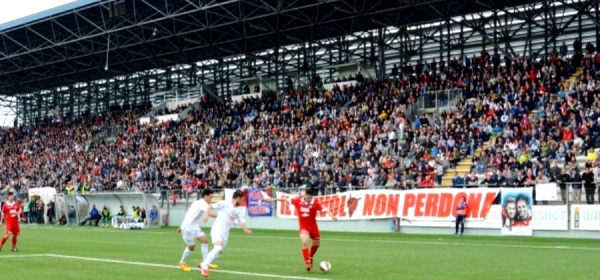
(176, 96)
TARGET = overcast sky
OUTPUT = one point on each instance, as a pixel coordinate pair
(15, 9)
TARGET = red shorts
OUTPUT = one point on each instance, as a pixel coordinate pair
(312, 232)
(12, 228)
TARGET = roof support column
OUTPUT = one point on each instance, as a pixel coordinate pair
(597, 16)
(381, 48)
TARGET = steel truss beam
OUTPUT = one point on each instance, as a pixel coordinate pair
(69, 49)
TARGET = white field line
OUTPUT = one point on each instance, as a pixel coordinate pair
(14, 255)
(472, 243)
(11, 255)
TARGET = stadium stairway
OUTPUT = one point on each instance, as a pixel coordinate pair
(573, 79)
(464, 166)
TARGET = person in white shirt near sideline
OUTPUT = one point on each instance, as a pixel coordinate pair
(190, 228)
(229, 214)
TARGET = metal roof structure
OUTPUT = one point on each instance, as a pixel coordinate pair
(118, 49)
(72, 46)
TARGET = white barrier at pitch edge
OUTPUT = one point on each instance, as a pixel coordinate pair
(547, 217)
(585, 217)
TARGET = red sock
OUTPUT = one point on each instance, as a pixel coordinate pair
(313, 250)
(306, 254)
(14, 241)
(3, 241)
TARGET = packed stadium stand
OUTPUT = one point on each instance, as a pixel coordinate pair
(486, 97)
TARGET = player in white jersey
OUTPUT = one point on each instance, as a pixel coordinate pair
(228, 215)
(190, 228)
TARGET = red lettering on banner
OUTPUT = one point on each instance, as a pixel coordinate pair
(409, 202)
(446, 205)
(419, 205)
(369, 204)
(335, 205)
(342, 212)
(381, 204)
(489, 199)
(431, 205)
(392, 205)
(473, 204)
(332, 203)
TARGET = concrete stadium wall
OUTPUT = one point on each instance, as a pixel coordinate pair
(378, 226)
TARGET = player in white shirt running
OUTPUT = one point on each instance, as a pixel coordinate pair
(229, 213)
(190, 228)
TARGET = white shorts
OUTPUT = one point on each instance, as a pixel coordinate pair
(219, 235)
(190, 235)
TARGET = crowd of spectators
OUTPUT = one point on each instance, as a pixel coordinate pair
(541, 121)
(357, 136)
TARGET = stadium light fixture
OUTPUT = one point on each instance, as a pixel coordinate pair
(107, 51)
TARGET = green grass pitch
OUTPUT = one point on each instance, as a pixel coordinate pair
(50, 252)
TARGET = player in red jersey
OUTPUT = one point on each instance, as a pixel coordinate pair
(307, 208)
(11, 211)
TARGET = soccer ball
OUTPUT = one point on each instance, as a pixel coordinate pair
(325, 266)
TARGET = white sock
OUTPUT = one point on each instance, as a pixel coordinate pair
(212, 256)
(186, 255)
(204, 248)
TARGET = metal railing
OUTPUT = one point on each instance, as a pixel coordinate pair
(439, 99)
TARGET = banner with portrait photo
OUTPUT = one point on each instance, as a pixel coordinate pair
(517, 211)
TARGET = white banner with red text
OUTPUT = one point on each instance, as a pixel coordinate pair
(434, 205)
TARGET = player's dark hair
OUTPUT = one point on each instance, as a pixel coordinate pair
(207, 192)
(309, 191)
(238, 194)
(11, 193)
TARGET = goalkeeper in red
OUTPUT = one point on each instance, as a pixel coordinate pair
(307, 207)
(11, 211)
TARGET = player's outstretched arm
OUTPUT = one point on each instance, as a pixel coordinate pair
(207, 213)
(333, 217)
(245, 229)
